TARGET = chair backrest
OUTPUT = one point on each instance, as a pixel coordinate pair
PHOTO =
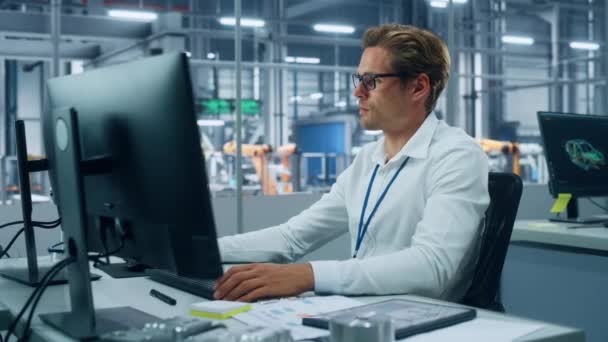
(505, 192)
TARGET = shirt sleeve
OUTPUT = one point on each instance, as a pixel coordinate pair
(303, 233)
(442, 244)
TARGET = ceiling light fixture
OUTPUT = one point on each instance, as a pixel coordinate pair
(133, 15)
(210, 123)
(439, 4)
(302, 60)
(245, 22)
(331, 28)
(517, 40)
(591, 46)
(316, 96)
(445, 3)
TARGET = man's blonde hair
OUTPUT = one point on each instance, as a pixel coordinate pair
(414, 51)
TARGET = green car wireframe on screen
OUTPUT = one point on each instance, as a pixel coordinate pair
(584, 155)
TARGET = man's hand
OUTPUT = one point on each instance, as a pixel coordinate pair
(247, 283)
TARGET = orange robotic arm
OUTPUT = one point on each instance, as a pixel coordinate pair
(505, 147)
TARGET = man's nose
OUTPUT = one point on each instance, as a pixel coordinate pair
(360, 90)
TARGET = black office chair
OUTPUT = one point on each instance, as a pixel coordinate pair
(505, 192)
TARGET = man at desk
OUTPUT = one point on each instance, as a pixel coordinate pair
(413, 202)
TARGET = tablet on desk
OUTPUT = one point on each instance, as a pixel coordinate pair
(409, 317)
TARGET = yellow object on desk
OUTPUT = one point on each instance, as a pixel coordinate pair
(218, 309)
(561, 203)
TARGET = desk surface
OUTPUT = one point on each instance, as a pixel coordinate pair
(595, 237)
(133, 292)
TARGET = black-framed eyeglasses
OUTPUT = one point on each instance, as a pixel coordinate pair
(369, 80)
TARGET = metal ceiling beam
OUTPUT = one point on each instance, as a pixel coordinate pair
(270, 65)
(311, 6)
(291, 38)
(41, 49)
(491, 51)
(140, 43)
(594, 81)
(528, 5)
(73, 26)
(320, 40)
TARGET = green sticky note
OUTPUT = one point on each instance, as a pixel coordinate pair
(561, 203)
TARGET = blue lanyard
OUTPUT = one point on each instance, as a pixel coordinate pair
(362, 228)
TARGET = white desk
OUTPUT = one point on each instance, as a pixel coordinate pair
(558, 234)
(133, 292)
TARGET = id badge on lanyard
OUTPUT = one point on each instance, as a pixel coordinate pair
(363, 228)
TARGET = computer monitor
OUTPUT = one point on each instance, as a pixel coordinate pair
(576, 149)
(124, 151)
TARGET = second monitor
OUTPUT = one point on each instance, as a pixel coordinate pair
(576, 149)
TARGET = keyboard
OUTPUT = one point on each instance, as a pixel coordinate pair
(199, 287)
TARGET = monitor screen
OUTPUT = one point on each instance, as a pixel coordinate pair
(576, 149)
(152, 191)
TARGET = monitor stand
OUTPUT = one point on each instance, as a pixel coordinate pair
(106, 321)
(82, 321)
(129, 269)
(572, 215)
(22, 274)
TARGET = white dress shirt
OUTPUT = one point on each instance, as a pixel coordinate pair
(424, 237)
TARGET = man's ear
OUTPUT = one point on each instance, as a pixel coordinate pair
(421, 87)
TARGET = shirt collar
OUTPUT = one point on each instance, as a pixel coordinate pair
(416, 147)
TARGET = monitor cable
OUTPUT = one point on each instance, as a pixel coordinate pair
(39, 224)
(97, 259)
(55, 249)
(10, 224)
(35, 298)
(103, 236)
(10, 244)
(44, 286)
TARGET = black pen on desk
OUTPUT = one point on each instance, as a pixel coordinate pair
(163, 297)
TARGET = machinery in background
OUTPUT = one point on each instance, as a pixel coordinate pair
(325, 144)
(503, 155)
(287, 154)
(272, 168)
(216, 120)
(10, 181)
(216, 126)
(533, 163)
(524, 159)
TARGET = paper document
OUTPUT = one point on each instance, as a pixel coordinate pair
(288, 313)
(542, 225)
(479, 329)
